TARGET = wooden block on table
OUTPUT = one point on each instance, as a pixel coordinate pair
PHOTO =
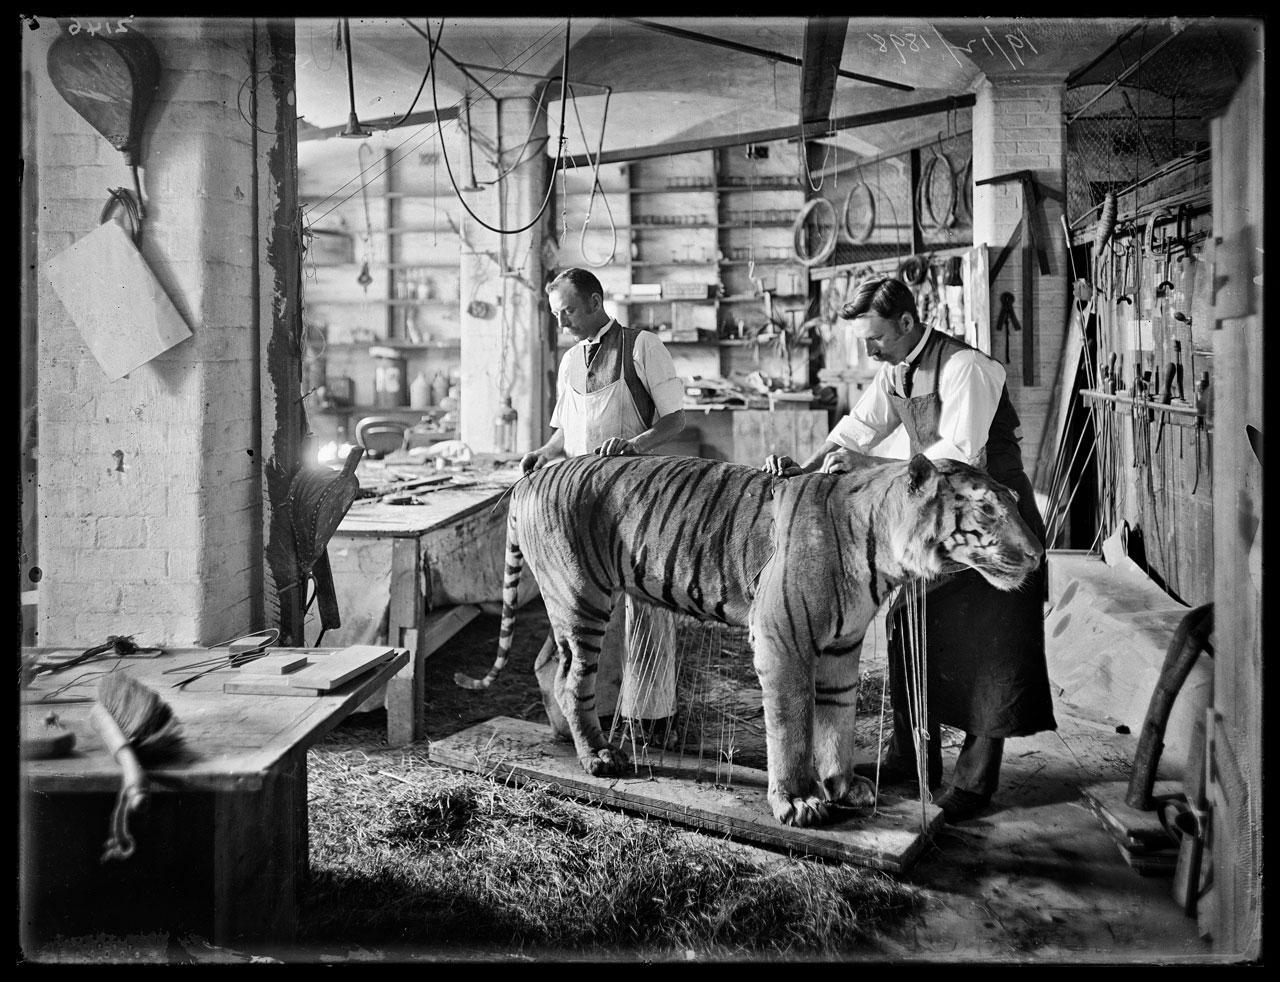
(273, 665)
(330, 671)
(268, 685)
(684, 790)
(252, 643)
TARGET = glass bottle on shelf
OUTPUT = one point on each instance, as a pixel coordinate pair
(504, 428)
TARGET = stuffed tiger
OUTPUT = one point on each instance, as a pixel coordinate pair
(803, 562)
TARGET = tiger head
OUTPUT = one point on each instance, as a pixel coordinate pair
(962, 517)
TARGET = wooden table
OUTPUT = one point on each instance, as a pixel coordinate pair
(445, 557)
(222, 847)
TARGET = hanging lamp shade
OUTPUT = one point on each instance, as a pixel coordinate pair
(111, 82)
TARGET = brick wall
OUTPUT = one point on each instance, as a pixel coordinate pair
(1019, 126)
(156, 540)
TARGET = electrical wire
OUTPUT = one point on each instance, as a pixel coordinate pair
(559, 150)
(528, 53)
(519, 59)
(421, 85)
(595, 185)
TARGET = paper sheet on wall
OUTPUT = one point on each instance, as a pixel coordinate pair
(115, 300)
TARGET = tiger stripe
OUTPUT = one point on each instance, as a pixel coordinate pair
(803, 562)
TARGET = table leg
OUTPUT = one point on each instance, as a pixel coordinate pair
(260, 843)
(406, 691)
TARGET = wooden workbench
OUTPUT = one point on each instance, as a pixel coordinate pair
(222, 847)
(428, 566)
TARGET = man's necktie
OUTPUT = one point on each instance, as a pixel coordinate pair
(900, 378)
(590, 350)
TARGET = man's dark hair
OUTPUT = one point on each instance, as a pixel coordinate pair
(582, 280)
(888, 297)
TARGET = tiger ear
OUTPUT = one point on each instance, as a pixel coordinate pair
(919, 471)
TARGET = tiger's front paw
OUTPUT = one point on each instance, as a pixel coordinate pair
(799, 811)
(605, 762)
(849, 790)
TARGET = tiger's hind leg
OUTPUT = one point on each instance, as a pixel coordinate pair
(579, 632)
(835, 711)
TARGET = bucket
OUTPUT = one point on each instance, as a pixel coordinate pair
(389, 386)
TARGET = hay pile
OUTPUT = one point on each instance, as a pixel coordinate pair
(419, 855)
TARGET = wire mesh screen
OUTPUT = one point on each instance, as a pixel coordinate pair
(1146, 103)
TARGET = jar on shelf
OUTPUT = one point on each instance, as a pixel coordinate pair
(504, 428)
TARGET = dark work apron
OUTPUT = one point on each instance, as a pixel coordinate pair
(986, 660)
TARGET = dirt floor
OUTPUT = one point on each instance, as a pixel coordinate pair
(1034, 878)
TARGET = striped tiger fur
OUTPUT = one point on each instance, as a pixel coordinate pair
(803, 562)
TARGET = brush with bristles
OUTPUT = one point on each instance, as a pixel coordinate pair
(138, 728)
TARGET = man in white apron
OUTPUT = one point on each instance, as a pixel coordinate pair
(617, 392)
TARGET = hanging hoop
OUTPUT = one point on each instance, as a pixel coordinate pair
(859, 235)
(924, 196)
(913, 270)
(799, 238)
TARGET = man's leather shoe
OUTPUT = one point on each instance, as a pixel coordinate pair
(957, 804)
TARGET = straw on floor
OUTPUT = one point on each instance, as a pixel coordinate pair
(404, 853)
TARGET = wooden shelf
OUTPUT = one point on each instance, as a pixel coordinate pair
(654, 227)
(378, 300)
(450, 345)
(674, 262)
(714, 188)
(390, 266)
(730, 298)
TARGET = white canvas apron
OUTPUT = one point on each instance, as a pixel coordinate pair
(637, 657)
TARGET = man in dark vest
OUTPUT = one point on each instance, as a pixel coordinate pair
(617, 393)
(985, 661)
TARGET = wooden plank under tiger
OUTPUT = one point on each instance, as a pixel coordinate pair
(681, 791)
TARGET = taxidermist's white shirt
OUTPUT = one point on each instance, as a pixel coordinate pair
(969, 386)
(653, 365)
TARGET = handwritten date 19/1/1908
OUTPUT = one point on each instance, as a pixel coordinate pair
(1015, 44)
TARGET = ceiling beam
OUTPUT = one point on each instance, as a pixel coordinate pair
(823, 46)
(680, 32)
(385, 123)
(807, 131)
(453, 61)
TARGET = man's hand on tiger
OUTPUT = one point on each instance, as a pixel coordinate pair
(532, 461)
(780, 465)
(617, 447)
(842, 461)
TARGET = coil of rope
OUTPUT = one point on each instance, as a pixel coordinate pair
(926, 214)
(859, 235)
(799, 238)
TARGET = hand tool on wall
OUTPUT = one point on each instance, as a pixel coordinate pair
(1007, 321)
(1166, 397)
(138, 728)
(1033, 222)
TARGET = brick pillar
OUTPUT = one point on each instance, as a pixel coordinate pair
(511, 346)
(1018, 125)
(149, 486)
